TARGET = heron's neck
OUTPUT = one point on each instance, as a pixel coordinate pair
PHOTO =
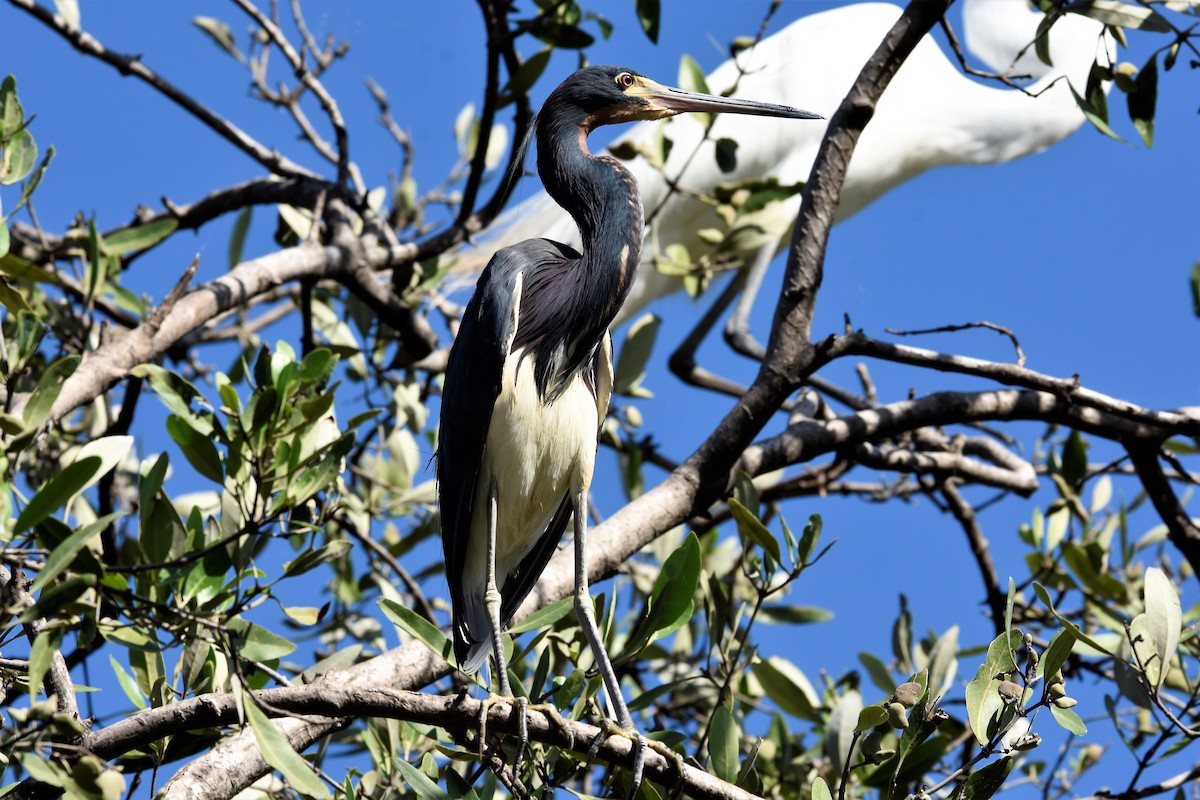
(602, 197)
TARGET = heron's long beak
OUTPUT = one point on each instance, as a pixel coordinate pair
(678, 101)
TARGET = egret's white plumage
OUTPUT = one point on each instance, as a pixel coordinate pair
(931, 115)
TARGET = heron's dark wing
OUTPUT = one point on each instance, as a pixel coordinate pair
(474, 372)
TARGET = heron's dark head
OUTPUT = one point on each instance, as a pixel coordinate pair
(607, 95)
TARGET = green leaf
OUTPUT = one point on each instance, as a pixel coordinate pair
(670, 604)
(820, 790)
(983, 703)
(1000, 653)
(256, 643)
(176, 393)
(1068, 719)
(1164, 618)
(878, 672)
(753, 530)
(1093, 116)
(724, 744)
(111, 450)
(128, 684)
(635, 352)
(1194, 280)
(139, 237)
(419, 628)
(649, 12)
(943, 666)
(985, 782)
(199, 450)
(1044, 596)
(221, 35)
(57, 491)
(870, 717)
(544, 617)
(37, 410)
(1122, 15)
(41, 655)
(526, 75)
(726, 154)
(277, 751)
(31, 184)
(839, 729)
(12, 116)
(62, 555)
(1057, 653)
(237, 237)
(794, 615)
(419, 782)
(1143, 99)
(646, 699)
(311, 559)
(19, 157)
(787, 686)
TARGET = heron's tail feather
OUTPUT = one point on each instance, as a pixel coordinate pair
(471, 640)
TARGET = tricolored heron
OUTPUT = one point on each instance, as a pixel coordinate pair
(529, 375)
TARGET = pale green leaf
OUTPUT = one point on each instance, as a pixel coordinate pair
(1067, 718)
(57, 491)
(41, 401)
(724, 744)
(788, 687)
(63, 554)
(1164, 618)
(419, 628)
(139, 237)
(277, 751)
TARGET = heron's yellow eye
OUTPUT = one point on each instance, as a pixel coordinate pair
(624, 80)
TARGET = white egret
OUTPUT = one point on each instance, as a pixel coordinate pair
(931, 115)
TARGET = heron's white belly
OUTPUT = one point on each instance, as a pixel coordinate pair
(536, 454)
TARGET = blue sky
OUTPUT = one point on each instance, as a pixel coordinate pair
(1083, 251)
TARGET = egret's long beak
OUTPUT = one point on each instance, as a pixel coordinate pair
(678, 101)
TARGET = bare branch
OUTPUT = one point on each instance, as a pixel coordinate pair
(996, 599)
(132, 65)
(1069, 389)
(345, 168)
(1012, 337)
(1182, 532)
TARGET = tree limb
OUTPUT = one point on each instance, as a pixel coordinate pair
(132, 65)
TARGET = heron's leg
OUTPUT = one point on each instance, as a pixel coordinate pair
(492, 600)
(587, 620)
(491, 595)
(737, 329)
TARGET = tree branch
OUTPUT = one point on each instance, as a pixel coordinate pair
(1070, 389)
(1182, 532)
(132, 65)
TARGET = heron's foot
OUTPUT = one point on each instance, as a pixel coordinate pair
(609, 728)
(551, 711)
(521, 705)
